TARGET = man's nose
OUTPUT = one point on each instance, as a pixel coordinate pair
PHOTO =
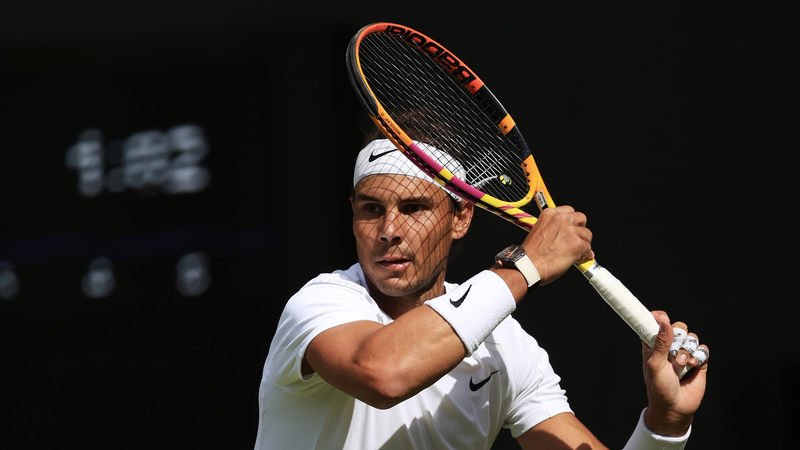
(392, 228)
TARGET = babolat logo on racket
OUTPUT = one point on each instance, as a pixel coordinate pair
(435, 51)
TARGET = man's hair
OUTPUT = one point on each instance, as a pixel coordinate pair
(419, 127)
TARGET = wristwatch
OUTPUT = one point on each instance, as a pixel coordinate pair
(514, 257)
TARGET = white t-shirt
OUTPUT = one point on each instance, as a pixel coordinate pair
(507, 382)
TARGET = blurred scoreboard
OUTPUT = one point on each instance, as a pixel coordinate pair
(115, 154)
(158, 150)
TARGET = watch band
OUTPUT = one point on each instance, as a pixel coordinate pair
(528, 270)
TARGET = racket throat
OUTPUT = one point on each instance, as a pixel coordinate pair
(541, 199)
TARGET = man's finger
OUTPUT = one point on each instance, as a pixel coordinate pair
(688, 347)
(663, 340)
(701, 354)
(680, 331)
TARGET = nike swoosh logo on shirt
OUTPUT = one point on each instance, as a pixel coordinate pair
(475, 386)
(373, 156)
(458, 302)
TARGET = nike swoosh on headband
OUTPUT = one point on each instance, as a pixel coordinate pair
(373, 156)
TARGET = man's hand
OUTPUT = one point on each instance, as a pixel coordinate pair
(558, 240)
(672, 401)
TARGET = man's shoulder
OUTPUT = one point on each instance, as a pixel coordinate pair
(352, 278)
(338, 290)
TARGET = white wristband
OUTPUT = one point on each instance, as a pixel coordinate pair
(644, 439)
(475, 308)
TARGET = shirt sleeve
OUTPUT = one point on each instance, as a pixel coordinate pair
(314, 309)
(537, 393)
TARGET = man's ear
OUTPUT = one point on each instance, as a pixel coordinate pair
(463, 219)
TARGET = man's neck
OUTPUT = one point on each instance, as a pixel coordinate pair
(395, 307)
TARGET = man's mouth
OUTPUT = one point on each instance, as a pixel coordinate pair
(394, 263)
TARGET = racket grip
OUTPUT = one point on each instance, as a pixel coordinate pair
(627, 306)
(623, 302)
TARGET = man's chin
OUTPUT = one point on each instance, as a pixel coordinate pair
(402, 287)
(395, 287)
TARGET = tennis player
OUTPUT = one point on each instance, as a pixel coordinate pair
(387, 355)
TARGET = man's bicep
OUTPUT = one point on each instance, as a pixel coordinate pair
(560, 432)
(331, 352)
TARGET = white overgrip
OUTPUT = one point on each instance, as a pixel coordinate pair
(632, 311)
(624, 303)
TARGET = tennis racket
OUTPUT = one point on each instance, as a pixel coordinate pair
(415, 90)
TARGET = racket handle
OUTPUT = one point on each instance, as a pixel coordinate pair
(626, 305)
(623, 302)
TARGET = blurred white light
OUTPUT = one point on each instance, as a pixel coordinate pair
(193, 277)
(90, 182)
(9, 282)
(146, 159)
(99, 281)
(183, 180)
(189, 143)
(86, 156)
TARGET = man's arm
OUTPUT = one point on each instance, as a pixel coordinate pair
(561, 432)
(382, 365)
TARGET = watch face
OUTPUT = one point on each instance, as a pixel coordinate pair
(512, 253)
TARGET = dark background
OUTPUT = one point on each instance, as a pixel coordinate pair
(669, 126)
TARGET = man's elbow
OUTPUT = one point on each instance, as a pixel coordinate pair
(386, 389)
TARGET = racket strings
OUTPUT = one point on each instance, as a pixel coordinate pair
(435, 108)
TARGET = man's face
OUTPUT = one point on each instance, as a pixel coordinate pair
(404, 227)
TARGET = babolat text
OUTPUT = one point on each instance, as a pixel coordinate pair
(435, 51)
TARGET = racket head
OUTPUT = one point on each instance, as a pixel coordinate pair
(417, 91)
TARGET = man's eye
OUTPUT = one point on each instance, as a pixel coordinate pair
(372, 208)
(411, 209)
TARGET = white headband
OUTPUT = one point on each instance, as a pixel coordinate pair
(382, 157)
